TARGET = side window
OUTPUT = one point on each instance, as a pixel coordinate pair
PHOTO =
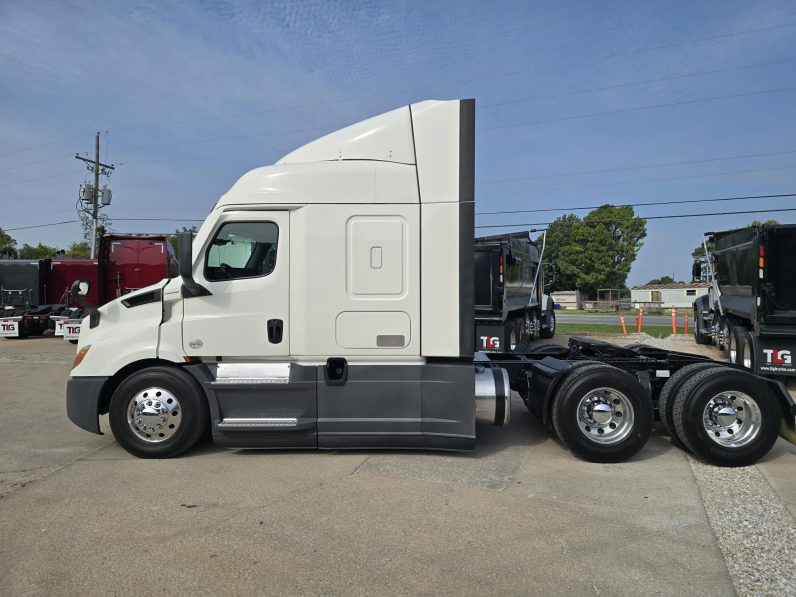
(242, 250)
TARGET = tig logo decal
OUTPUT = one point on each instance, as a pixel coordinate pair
(777, 357)
(490, 342)
(8, 327)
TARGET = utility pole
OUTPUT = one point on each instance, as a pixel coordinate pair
(95, 198)
(96, 167)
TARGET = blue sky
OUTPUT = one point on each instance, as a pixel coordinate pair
(242, 83)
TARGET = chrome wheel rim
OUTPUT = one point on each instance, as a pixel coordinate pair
(733, 349)
(732, 419)
(605, 416)
(154, 415)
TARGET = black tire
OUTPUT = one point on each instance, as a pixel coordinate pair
(511, 334)
(549, 329)
(635, 424)
(192, 412)
(748, 351)
(669, 391)
(689, 415)
(526, 324)
(699, 337)
(735, 344)
(543, 347)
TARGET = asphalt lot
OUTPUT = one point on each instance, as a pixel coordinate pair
(78, 515)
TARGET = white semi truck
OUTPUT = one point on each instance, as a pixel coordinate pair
(328, 302)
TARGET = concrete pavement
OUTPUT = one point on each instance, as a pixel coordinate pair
(521, 515)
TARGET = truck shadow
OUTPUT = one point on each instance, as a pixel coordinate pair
(510, 442)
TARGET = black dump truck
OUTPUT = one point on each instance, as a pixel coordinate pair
(750, 309)
(22, 292)
(511, 308)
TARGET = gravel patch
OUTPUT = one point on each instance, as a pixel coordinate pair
(678, 343)
(755, 531)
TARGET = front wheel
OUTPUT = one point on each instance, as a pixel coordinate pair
(602, 413)
(699, 337)
(726, 417)
(158, 412)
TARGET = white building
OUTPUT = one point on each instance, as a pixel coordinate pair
(676, 294)
(567, 299)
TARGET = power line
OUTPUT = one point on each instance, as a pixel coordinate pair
(234, 138)
(648, 203)
(633, 83)
(155, 220)
(647, 180)
(493, 128)
(643, 166)
(42, 225)
(59, 157)
(636, 109)
(114, 219)
(49, 143)
(9, 184)
(590, 60)
(667, 217)
(692, 215)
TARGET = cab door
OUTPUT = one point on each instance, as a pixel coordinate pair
(245, 265)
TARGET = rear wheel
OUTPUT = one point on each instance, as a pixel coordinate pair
(158, 412)
(668, 393)
(511, 333)
(747, 355)
(726, 417)
(735, 344)
(602, 414)
(549, 329)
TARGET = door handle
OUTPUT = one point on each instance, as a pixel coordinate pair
(275, 331)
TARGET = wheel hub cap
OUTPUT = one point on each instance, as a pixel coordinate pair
(732, 419)
(154, 414)
(605, 416)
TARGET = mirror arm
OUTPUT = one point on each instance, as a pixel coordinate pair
(190, 288)
(80, 299)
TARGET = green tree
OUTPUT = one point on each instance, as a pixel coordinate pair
(79, 250)
(8, 246)
(104, 224)
(559, 241)
(40, 251)
(605, 244)
(662, 280)
(174, 239)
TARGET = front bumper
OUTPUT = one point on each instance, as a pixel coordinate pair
(83, 402)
